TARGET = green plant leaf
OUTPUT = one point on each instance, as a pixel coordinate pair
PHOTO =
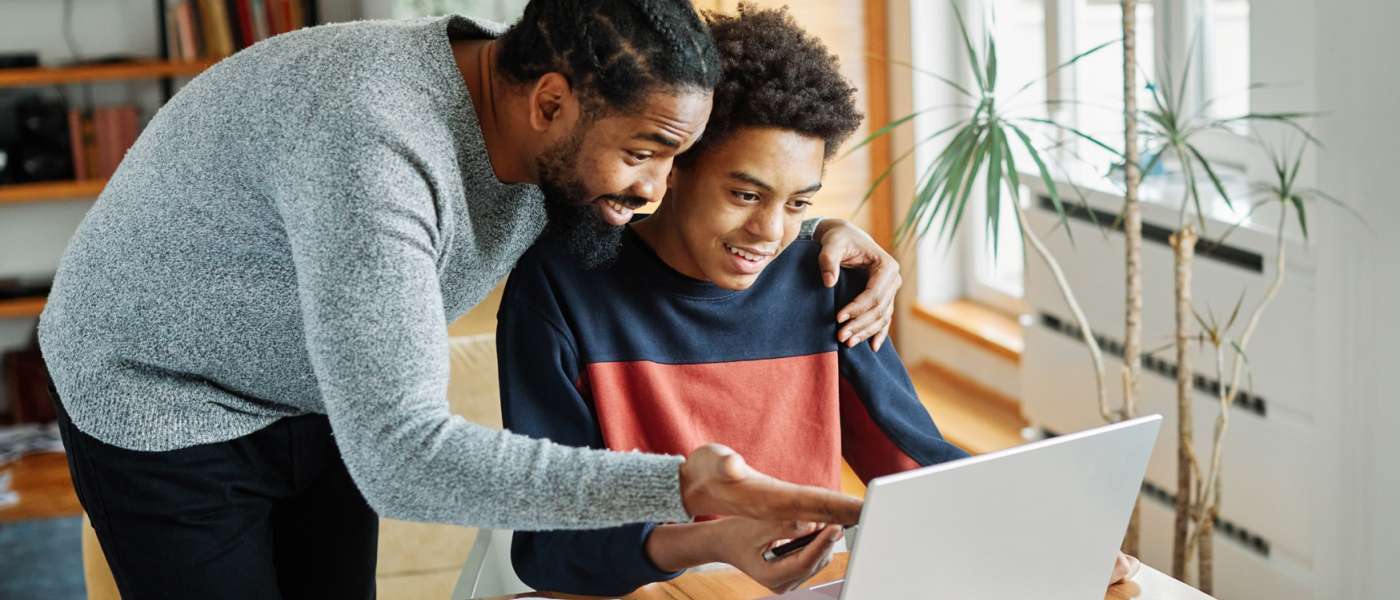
(901, 158)
(1076, 132)
(1076, 58)
(1210, 172)
(1046, 178)
(1287, 118)
(1302, 214)
(949, 82)
(884, 130)
(1236, 312)
(968, 182)
(991, 44)
(994, 182)
(972, 57)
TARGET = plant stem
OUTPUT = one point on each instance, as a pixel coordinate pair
(1132, 229)
(1083, 322)
(1184, 247)
(1209, 499)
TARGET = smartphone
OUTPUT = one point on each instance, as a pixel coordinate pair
(791, 546)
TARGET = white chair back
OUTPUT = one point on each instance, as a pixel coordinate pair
(488, 571)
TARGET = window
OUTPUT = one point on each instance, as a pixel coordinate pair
(503, 11)
(1033, 36)
(1227, 45)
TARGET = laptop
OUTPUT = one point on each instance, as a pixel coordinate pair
(1043, 520)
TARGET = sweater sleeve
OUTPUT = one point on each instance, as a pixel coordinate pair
(362, 223)
(541, 397)
(884, 427)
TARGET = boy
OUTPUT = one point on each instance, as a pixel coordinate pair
(713, 330)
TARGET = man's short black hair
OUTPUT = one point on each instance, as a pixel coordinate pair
(613, 52)
(776, 75)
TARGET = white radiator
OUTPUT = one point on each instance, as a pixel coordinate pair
(1264, 545)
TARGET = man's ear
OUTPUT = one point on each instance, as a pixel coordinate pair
(552, 102)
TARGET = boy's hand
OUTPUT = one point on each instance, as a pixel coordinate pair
(743, 542)
(1124, 568)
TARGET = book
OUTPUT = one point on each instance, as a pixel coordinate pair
(172, 35)
(218, 38)
(76, 143)
(295, 19)
(259, 16)
(188, 25)
(247, 33)
(277, 16)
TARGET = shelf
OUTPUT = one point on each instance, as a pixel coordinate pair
(21, 308)
(136, 69)
(21, 193)
(983, 327)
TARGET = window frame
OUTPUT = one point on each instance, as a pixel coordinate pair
(1172, 35)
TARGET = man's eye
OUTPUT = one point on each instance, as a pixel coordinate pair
(639, 156)
(746, 196)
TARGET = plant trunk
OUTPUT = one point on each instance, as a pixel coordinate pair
(1132, 229)
(1184, 248)
(1206, 551)
(1086, 332)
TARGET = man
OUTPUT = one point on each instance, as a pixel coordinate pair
(247, 333)
(705, 328)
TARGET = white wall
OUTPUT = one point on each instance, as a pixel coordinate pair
(1358, 83)
(1335, 57)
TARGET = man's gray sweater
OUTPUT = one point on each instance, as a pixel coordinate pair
(291, 234)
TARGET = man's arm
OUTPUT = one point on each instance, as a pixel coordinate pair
(868, 315)
(884, 427)
(540, 397)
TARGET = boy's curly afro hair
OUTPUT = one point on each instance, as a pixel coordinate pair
(775, 74)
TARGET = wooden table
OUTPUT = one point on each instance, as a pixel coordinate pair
(726, 584)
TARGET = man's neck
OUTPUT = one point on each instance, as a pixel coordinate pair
(660, 232)
(491, 100)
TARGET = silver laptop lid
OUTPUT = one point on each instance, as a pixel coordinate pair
(1042, 520)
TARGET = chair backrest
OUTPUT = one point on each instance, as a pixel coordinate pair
(488, 571)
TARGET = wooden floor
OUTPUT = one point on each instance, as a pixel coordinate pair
(972, 417)
(44, 488)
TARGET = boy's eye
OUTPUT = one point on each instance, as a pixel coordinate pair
(799, 204)
(746, 196)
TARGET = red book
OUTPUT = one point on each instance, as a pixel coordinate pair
(102, 122)
(189, 38)
(276, 17)
(128, 129)
(245, 22)
(75, 142)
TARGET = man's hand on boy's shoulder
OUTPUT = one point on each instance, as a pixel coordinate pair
(868, 316)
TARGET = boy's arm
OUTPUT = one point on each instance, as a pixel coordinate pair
(884, 427)
(540, 397)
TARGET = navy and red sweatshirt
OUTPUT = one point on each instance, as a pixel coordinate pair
(637, 356)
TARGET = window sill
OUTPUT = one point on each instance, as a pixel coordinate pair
(981, 326)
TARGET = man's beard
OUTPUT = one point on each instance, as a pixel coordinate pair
(592, 241)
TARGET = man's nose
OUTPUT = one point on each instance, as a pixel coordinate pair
(651, 185)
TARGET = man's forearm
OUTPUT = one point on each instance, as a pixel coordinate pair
(680, 546)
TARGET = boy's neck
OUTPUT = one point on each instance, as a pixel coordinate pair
(660, 231)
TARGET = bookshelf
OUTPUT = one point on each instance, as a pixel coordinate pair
(46, 191)
(21, 308)
(122, 71)
(163, 68)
